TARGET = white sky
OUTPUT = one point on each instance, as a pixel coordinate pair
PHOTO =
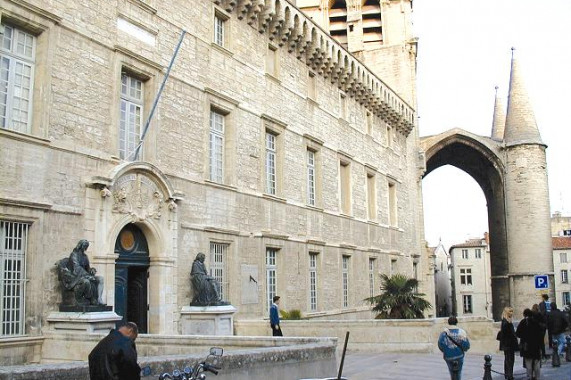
(464, 52)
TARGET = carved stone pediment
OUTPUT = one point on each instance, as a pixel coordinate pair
(139, 196)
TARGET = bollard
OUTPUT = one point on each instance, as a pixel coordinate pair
(568, 349)
(487, 368)
(555, 361)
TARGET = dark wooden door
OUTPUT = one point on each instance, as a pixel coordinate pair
(131, 276)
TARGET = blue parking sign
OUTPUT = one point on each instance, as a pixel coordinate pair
(541, 281)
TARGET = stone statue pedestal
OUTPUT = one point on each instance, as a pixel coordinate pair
(88, 322)
(208, 320)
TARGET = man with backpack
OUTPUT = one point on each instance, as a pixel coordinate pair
(454, 342)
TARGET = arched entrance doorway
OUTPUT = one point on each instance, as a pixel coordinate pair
(131, 276)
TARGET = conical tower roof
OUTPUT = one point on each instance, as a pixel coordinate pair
(520, 127)
(499, 122)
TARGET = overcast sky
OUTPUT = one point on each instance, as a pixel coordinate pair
(464, 52)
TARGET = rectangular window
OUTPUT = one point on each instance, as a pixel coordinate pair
(564, 276)
(17, 61)
(466, 276)
(311, 86)
(369, 123)
(271, 280)
(372, 262)
(216, 147)
(313, 281)
(13, 247)
(345, 187)
(566, 298)
(218, 256)
(467, 301)
(271, 171)
(310, 177)
(393, 266)
(219, 32)
(393, 219)
(131, 116)
(563, 257)
(345, 281)
(371, 196)
(478, 254)
(343, 106)
(272, 61)
(389, 136)
(465, 254)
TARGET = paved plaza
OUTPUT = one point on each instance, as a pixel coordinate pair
(362, 366)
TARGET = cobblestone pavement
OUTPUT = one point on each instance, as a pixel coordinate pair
(362, 366)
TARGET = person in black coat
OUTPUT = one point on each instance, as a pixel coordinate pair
(508, 342)
(115, 356)
(529, 331)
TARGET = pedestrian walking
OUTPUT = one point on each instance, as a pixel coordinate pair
(454, 342)
(542, 320)
(275, 317)
(556, 325)
(529, 332)
(508, 342)
(115, 356)
(544, 308)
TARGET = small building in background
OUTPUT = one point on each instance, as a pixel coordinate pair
(442, 278)
(562, 269)
(471, 278)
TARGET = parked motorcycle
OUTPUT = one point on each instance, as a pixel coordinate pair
(197, 372)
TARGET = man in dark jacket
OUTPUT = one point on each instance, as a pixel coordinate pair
(115, 356)
(556, 325)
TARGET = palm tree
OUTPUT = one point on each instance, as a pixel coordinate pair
(399, 299)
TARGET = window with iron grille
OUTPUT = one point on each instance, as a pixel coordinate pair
(467, 302)
(13, 246)
(311, 177)
(271, 154)
(271, 280)
(313, 281)
(345, 275)
(218, 254)
(372, 262)
(216, 146)
(131, 118)
(17, 61)
(564, 276)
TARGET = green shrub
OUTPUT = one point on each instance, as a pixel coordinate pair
(294, 314)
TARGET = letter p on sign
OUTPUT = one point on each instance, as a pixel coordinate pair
(541, 281)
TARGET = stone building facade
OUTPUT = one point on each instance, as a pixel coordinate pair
(442, 281)
(272, 149)
(471, 278)
(562, 270)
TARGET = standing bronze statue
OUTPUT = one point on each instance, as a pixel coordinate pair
(80, 286)
(206, 288)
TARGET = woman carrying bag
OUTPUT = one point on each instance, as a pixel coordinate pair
(508, 342)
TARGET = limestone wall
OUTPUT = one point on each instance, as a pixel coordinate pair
(384, 336)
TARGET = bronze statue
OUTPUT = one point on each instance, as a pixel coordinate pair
(206, 288)
(80, 286)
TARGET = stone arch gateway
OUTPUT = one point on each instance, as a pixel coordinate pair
(481, 159)
(511, 168)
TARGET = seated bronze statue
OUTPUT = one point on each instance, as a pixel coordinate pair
(206, 288)
(80, 286)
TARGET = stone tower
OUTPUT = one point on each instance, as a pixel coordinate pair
(526, 197)
(377, 32)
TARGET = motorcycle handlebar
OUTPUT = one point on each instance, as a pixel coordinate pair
(211, 368)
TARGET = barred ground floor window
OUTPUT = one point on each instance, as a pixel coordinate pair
(13, 245)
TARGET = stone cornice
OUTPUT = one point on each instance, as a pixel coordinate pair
(288, 27)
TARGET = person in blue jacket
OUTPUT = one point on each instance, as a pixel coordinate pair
(453, 342)
(275, 317)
